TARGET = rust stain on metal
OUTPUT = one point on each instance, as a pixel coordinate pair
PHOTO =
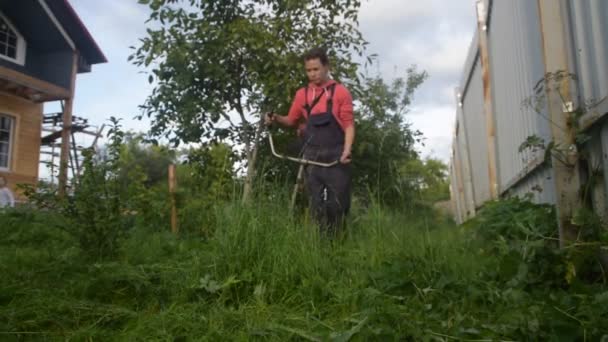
(482, 28)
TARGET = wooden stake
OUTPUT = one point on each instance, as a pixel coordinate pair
(556, 56)
(172, 189)
(66, 129)
(76, 161)
(488, 107)
(53, 164)
(97, 135)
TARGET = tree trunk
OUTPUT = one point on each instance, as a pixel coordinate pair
(252, 157)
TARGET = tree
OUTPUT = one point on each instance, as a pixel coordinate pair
(429, 179)
(212, 171)
(385, 140)
(219, 64)
(152, 160)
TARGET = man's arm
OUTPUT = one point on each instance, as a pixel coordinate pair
(345, 112)
(349, 138)
(280, 119)
(295, 112)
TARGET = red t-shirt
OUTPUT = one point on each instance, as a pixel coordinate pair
(342, 104)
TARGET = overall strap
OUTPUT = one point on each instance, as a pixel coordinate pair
(330, 100)
(314, 102)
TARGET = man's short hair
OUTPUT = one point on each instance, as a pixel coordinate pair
(315, 53)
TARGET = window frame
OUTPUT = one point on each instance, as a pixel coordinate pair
(11, 139)
(21, 44)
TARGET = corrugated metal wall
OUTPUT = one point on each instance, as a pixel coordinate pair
(463, 145)
(538, 185)
(474, 124)
(455, 190)
(463, 198)
(515, 47)
(590, 39)
(516, 65)
(604, 158)
(597, 168)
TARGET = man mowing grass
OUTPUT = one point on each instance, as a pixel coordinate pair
(323, 113)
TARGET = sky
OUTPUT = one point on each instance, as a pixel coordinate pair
(432, 34)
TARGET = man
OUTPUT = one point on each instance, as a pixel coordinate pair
(328, 132)
(6, 195)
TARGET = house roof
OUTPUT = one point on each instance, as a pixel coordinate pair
(75, 28)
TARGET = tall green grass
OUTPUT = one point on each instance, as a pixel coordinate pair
(261, 274)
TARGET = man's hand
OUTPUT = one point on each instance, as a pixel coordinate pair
(269, 119)
(346, 156)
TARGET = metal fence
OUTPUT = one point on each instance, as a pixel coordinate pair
(493, 119)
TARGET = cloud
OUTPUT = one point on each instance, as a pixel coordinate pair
(437, 124)
(115, 88)
(387, 11)
(433, 34)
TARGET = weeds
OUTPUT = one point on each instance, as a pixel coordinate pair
(263, 275)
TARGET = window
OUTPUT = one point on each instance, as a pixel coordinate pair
(12, 44)
(6, 134)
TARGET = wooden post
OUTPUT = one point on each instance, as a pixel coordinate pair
(553, 25)
(76, 161)
(172, 189)
(484, 56)
(66, 130)
(99, 133)
(71, 159)
(52, 164)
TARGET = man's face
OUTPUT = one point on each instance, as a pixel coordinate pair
(316, 71)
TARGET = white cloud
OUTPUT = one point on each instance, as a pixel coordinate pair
(434, 34)
(393, 10)
(437, 124)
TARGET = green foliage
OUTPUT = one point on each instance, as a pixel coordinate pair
(263, 275)
(218, 65)
(526, 237)
(429, 177)
(152, 160)
(385, 140)
(212, 171)
(219, 57)
(101, 208)
(205, 180)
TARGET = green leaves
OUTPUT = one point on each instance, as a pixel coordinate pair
(221, 58)
(385, 155)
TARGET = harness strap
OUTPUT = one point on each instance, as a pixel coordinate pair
(332, 89)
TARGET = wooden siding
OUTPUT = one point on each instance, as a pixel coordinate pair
(25, 154)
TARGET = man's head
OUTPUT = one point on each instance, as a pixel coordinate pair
(2, 182)
(317, 66)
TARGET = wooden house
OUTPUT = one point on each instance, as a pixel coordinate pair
(43, 46)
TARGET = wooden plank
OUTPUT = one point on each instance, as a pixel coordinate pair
(26, 138)
(48, 139)
(46, 88)
(75, 152)
(67, 127)
(484, 56)
(172, 190)
(14, 180)
(566, 176)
